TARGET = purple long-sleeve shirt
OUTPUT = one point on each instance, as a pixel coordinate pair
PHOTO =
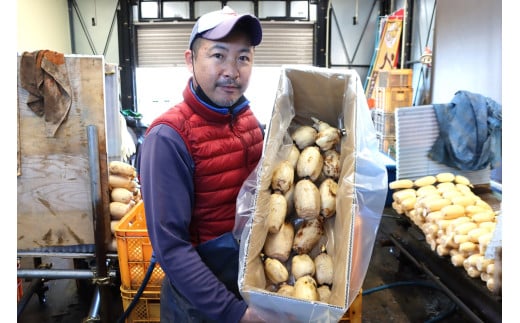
(166, 176)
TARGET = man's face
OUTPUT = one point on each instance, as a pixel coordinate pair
(222, 68)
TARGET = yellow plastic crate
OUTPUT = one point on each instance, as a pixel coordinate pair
(389, 99)
(19, 287)
(134, 251)
(353, 315)
(395, 78)
(19, 290)
(146, 310)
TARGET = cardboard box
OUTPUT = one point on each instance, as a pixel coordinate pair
(336, 97)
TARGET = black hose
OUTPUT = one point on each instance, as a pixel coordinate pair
(146, 278)
(401, 283)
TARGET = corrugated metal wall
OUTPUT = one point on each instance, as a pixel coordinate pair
(163, 45)
(412, 160)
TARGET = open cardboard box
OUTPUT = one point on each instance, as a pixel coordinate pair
(336, 97)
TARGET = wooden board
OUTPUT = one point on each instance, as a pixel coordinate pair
(54, 204)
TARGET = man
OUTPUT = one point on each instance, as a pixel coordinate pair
(193, 161)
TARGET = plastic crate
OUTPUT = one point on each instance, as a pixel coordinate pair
(387, 145)
(19, 290)
(134, 251)
(19, 284)
(147, 309)
(353, 315)
(389, 99)
(395, 78)
(384, 122)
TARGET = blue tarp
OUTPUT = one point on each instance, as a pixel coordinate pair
(470, 132)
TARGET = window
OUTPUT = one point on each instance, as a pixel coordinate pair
(176, 9)
(163, 10)
(170, 10)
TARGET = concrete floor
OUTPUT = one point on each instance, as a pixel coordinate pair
(406, 301)
(411, 295)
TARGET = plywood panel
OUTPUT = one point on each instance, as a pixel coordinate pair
(54, 183)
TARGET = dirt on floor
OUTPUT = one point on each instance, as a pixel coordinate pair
(396, 291)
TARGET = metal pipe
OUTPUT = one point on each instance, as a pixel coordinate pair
(97, 201)
(71, 27)
(93, 314)
(328, 18)
(101, 224)
(30, 254)
(403, 35)
(84, 255)
(59, 273)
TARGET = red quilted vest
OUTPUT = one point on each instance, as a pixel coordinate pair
(225, 149)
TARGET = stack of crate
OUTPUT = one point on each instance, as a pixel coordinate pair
(393, 91)
(134, 251)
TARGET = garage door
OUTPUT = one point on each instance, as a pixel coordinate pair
(163, 44)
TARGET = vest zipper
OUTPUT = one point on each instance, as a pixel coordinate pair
(244, 144)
